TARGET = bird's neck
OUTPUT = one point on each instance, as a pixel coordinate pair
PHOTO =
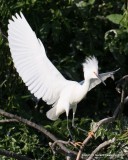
(81, 92)
(85, 86)
(86, 83)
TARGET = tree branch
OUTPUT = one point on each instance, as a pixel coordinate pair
(8, 120)
(94, 130)
(59, 141)
(64, 149)
(14, 155)
(102, 145)
(109, 119)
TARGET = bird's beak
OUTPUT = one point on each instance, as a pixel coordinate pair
(100, 78)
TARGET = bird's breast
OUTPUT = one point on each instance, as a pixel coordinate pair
(76, 94)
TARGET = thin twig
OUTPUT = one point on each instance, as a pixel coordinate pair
(3, 34)
(14, 155)
(102, 145)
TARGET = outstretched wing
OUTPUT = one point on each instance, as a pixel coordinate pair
(95, 81)
(30, 60)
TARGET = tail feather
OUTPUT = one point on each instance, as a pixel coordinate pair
(51, 114)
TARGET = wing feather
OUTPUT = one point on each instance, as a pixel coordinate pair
(95, 81)
(103, 76)
(29, 57)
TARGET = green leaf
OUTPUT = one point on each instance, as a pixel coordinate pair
(115, 18)
(91, 1)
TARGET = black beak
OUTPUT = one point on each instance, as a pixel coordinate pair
(100, 79)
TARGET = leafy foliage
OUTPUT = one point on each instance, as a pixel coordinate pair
(70, 30)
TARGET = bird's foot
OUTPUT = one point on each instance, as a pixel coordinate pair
(76, 144)
(76, 127)
(91, 134)
(70, 135)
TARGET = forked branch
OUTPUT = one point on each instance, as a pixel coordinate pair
(121, 84)
(102, 145)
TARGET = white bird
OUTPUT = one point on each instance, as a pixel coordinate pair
(40, 75)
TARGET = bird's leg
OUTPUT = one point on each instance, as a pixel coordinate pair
(75, 144)
(91, 133)
(70, 134)
(73, 117)
(73, 120)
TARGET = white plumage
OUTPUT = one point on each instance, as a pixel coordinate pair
(40, 75)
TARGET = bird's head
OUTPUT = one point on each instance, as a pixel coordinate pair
(90, 68)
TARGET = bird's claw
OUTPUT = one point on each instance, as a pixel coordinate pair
(75, 144)
(78, 128)
(91, 134)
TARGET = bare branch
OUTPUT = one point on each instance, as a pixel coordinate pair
(60, 141)
(8, 120)
(126, 100)
(102, 145)
(98, 124)
(29, 123)
(122, 83)
(14, 155)
(64, 149)
(52, 145)
(106, 120)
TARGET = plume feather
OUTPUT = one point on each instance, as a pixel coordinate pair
(90, 62)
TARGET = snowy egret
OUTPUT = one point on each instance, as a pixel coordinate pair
(40, 75)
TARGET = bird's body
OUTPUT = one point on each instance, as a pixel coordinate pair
(70, 96)
(40, 75)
